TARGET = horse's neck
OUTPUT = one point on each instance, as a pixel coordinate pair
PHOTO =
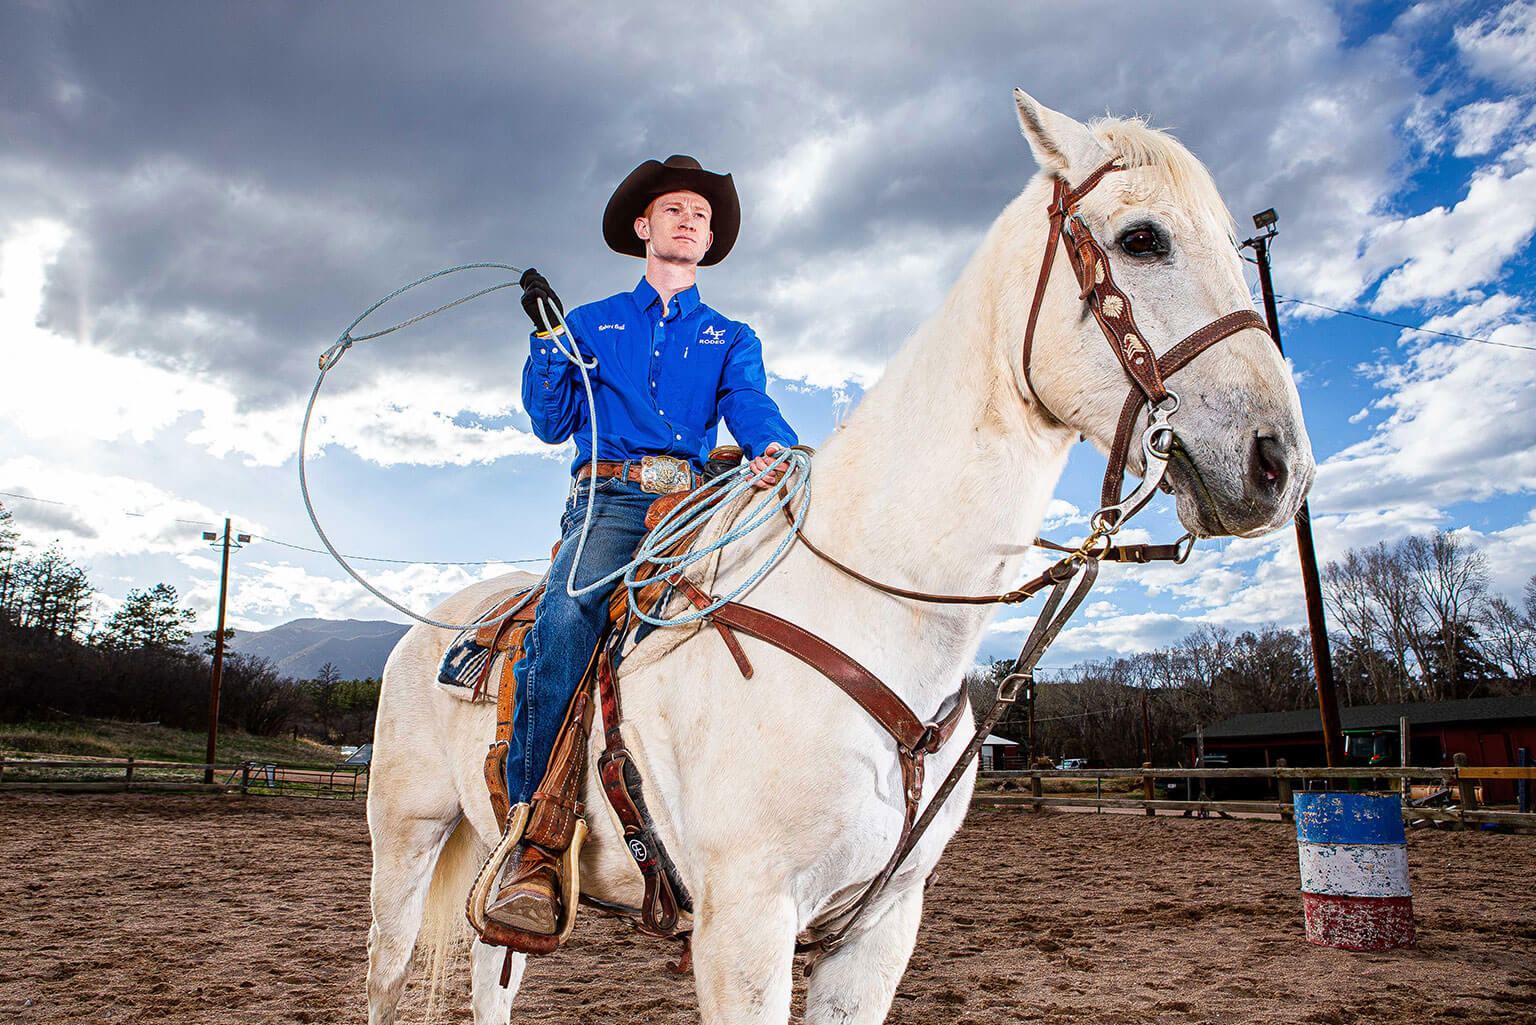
(941, 478)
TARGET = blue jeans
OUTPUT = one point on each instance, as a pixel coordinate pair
(565, 629)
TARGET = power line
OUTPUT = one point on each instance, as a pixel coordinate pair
(300, 548)
(407, 562)
(1405, 327)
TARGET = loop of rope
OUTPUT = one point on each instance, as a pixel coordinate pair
(794, 462)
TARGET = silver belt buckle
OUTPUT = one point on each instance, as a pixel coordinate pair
(664, 475)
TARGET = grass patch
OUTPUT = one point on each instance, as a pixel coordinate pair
(110, 738)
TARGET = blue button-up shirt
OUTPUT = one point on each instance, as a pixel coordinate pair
(663, 380)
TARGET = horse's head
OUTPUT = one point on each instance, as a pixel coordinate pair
(1241, 463)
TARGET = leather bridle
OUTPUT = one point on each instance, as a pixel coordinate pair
(1111, 307)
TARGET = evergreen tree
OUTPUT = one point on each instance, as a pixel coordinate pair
(150, 619)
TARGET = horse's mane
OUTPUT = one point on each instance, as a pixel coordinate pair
(1140, 145)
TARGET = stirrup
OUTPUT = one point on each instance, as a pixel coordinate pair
(483, 891)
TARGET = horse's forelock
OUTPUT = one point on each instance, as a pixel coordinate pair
(1189, 181)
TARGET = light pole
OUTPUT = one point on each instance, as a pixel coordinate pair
(218, 645)
(1322, 663)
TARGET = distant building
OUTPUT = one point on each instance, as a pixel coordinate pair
(999, 753)
(1489, 731)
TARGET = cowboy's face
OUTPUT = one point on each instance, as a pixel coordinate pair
(675, 227)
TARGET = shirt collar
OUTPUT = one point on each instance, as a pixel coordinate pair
(646, 296)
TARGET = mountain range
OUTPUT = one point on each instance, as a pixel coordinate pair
(357, 647)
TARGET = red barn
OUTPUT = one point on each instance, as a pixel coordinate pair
(1489, 731)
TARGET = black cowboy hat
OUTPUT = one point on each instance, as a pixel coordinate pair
(656, 178)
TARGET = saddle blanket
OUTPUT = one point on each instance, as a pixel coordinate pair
(472, 667)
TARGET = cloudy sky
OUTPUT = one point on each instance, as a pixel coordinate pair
(196, 198)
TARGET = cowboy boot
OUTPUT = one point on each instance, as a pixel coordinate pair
(529, 898)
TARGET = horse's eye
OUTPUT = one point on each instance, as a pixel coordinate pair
(1141, 242)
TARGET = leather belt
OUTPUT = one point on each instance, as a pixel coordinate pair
(658, 475)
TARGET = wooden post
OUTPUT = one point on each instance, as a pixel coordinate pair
(1200, 763)
(128, 771)
(1287, 800)
(1037, 788)
(1523, 787)
(245, 778)
(1465, 786)
(1146, 790)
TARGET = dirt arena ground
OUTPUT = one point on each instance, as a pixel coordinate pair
(143, 909)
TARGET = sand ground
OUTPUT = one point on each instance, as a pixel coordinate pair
(221, 911)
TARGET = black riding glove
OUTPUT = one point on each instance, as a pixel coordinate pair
(534, 289)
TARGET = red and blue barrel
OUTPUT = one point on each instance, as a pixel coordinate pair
(1354, 870)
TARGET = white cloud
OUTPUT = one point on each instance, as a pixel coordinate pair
(137, 518)
(834, 298)
(1462, 425)
(1447, 252)
(263, 592)
(1502, 45)
(1511, 554)
(1479, 125)
(67, 391)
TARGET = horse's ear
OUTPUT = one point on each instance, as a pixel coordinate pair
(1060, 143)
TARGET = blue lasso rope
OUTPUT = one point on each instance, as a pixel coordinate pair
(678, 521)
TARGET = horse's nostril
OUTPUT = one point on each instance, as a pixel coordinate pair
(1266, 465)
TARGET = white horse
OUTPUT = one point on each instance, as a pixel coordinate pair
(778, 797)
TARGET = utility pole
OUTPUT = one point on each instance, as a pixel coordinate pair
(218, 647)
(1322, 663)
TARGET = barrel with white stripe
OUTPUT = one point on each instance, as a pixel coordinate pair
(1354, 870)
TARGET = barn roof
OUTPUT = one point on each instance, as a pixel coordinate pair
(993, 738)
(1374, 717)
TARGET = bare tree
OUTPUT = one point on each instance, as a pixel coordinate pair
(1399, 619)
(1349, 598)
(1452, 583)
(1509, 637)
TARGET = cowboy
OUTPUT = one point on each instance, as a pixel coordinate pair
(668, 368)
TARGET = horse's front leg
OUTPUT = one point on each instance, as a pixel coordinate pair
(854, 985)
(743, 951)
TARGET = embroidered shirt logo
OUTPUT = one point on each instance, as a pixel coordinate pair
(712, 336)
(610, 327)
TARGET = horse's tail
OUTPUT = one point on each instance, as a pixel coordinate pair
(445, 932)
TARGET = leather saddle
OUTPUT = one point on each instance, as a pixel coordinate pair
(480, 661)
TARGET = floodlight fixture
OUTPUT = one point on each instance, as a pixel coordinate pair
(209, 535)
(243, 538)
(1264, 218)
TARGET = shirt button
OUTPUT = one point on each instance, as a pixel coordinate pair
(679, 437)
(663, 412)
(541, 352)
(656, 353)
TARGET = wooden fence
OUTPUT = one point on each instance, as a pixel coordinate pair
(99, 775)
(1453, 793)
